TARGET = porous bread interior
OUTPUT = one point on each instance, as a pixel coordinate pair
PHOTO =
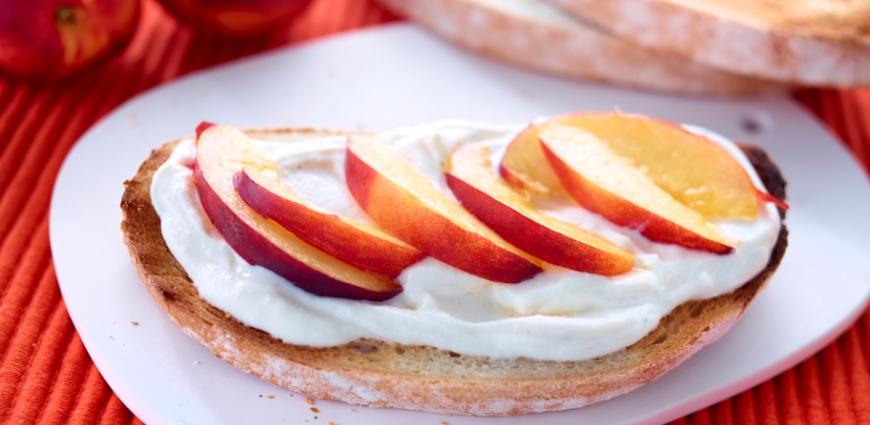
(424, 378)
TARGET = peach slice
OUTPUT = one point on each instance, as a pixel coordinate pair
(611, 185)
(523, 165)
(358, 244)
(403, 202)
(472, 179)
(221, 152)
(689, 167)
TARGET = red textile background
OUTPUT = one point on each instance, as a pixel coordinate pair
(47, 377)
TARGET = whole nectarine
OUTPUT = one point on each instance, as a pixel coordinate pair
(235, 18)
(45, 40)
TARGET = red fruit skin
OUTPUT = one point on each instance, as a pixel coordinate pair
(415, 223)
(766, 197)
(257, 250)
(625, 213)
(531, 237)
(310, 226)
(203, 126)
(235, 18)
(47, 40)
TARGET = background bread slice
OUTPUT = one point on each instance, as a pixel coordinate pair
(534, 35)
(803, 42)
(417, 377)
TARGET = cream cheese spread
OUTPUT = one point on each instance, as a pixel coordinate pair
(559, 314)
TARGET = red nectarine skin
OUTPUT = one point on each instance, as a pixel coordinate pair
(429, 231)
(534, 238)
(691, 168)
(328, 232)
(235, 18)
(509, 176)
(46, 40)
(257, 250)
(766, 197)
(625, 213)
(521, 165)
(221, 151)
(203, 126)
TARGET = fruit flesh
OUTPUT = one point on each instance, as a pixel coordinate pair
(401, 201)
(47, 40)
(524, 167)
(361, 245)
(693, 170)
(608, 184)
(471, 178)
(261, 241)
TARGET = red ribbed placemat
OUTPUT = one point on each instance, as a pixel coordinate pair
(46, 375)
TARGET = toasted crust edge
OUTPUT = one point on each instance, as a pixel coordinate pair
(381, 374)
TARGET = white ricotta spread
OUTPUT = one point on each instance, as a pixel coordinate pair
(560, 314)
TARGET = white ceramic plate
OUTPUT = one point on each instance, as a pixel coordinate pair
(398, 75)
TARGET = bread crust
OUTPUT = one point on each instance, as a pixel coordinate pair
(811, 42)
(572, 50)
(381, 374)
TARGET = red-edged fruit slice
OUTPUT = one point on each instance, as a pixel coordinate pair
(473, 180)
(613, 186)
(692, 169)
(358, 244)
(523, 165)
(222, 151)
(403, 202)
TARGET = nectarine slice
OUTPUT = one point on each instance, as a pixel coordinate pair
(403, 202)
(473, 180)
(359, 244)
(611, 185)
(523, 165)
(692, 169)
(221, 152)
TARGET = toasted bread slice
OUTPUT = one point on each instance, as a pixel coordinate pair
(382, 374)
(800, 42)
(534, 35)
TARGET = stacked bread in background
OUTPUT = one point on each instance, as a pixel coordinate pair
(697, 47)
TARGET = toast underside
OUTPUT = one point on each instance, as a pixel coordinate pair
(381, 374)
(568, 48)
(799, 42)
